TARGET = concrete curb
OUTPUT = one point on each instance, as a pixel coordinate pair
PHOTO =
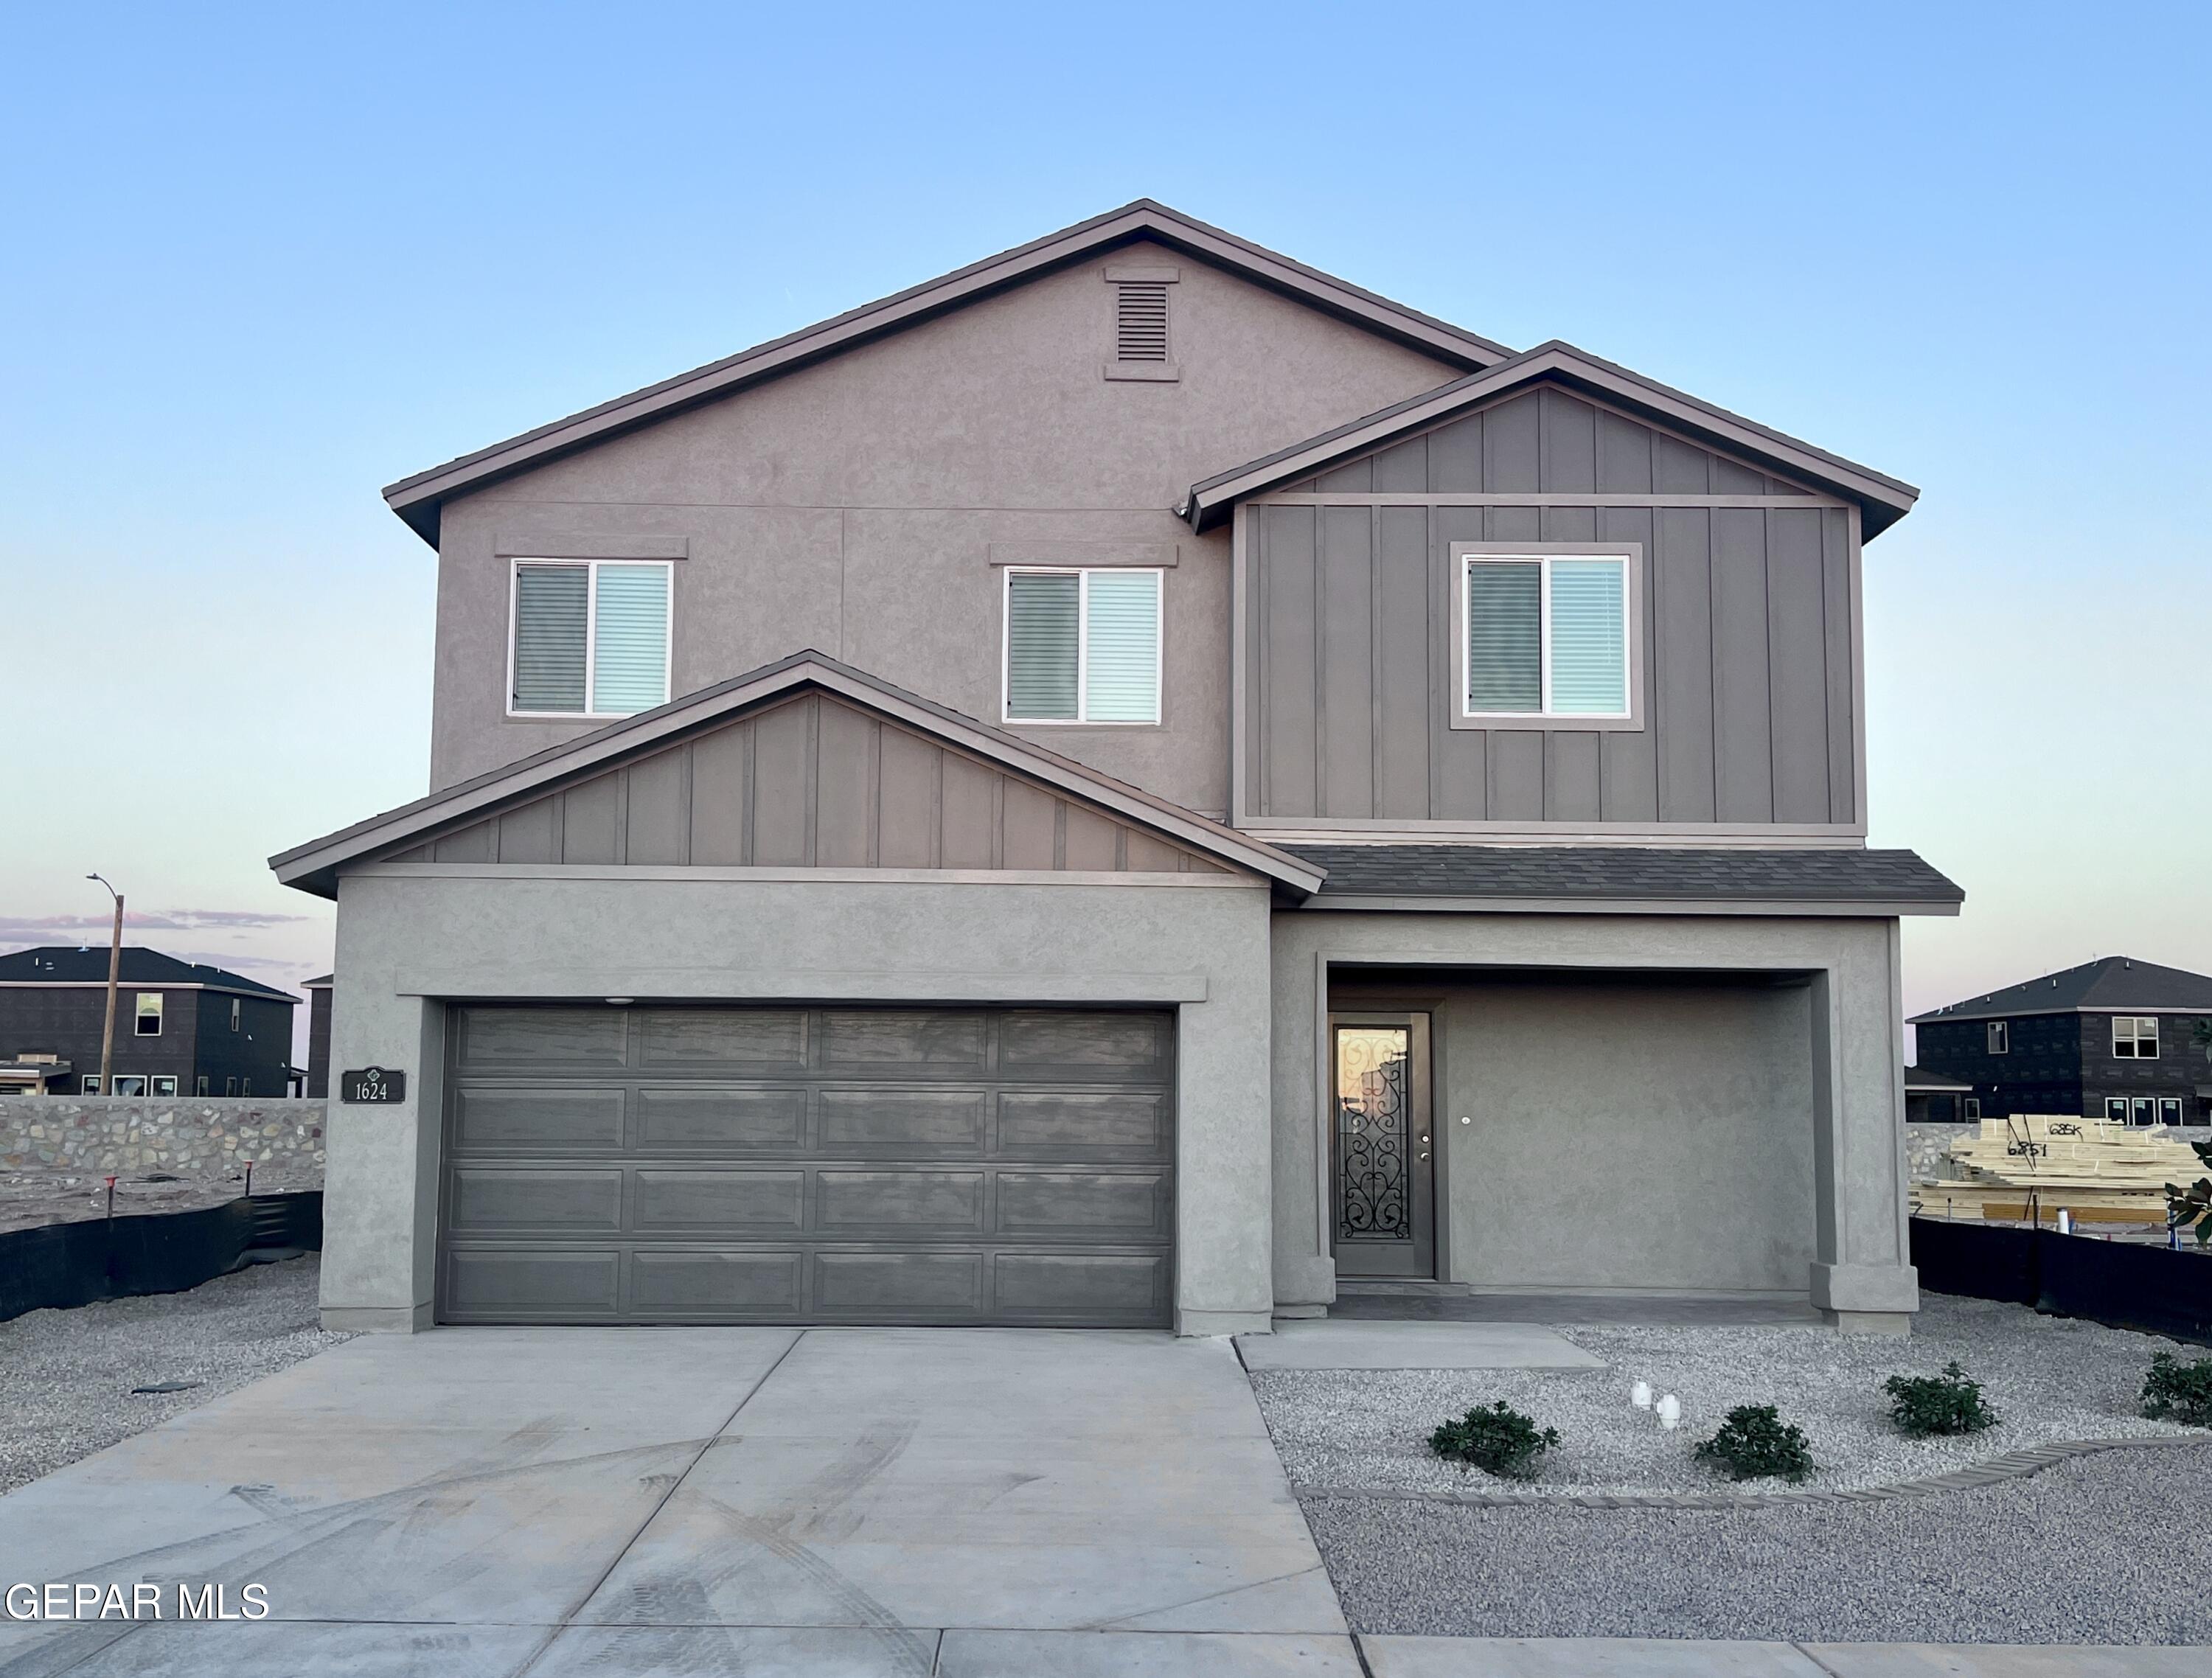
(2013, 1465)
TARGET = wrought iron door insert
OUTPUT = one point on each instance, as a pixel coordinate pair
(1381, 1167)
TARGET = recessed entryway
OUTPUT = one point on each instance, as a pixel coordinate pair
(1381, 1146)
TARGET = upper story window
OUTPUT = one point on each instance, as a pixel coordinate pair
(1083, 646)
(149, 1013)
(234, 1013)
(590, 637)
(1545, 634)
(2135, 1038)
(2000, 1037)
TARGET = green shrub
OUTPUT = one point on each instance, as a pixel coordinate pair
(2183, 1391)
(1948, 1403)
(1499, 1439)
(1754, 1443)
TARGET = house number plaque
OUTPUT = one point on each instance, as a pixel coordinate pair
(373, 1084)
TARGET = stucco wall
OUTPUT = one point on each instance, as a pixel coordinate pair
(1801, 1113)
(852, 507)
(406, 941)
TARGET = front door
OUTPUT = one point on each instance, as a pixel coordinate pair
(1381, 1170)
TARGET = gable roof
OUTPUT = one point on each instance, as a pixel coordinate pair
(417, 499)
(313, 866)
(1882, 500)
(2108, 985)
(72, 964)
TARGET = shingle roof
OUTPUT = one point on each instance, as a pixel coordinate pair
(68, 964)
(1712, 874)
(2110, 982)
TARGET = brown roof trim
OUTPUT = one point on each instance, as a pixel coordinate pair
(1883, 499)
(313, 866)
(417, 498)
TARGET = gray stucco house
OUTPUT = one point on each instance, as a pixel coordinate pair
(1122, 785)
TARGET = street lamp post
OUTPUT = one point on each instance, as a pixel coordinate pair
(114, 971)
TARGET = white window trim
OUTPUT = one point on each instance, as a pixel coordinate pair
(89, 1085)
(1083, 575)
(591, 637)
(168, 1078)
(2135, 1023)
(1999, 1036)
(160, 1015)
(1973, 1105)
(1466, 554)
(235, 1009)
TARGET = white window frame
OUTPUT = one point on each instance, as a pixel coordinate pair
(137, 1078)
(591, 637)
(138, 1012)
(200, 1085)
(1973, 1105)
(2000, 1037)
(1084, 575)
(230, 1086)
(236, 1009)
(2169, 1104)
(154, 1084)
(89, 1085)
(2111, 1103)
(2135, 1040)
(1465, 555)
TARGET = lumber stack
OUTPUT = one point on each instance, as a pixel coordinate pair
(2101, 1172)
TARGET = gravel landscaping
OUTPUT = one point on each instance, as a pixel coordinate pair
(2113, 1548)
(66, 1377)
(2049, 1378)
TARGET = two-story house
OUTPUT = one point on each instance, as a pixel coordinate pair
(2126, 1041)
(181, 1028)
(1124, 786)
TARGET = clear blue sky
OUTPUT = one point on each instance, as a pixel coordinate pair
(258, 262)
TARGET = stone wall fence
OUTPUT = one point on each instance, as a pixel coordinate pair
(185, 1137)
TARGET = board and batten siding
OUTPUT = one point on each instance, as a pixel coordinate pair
(812, 782)
(1747, 617)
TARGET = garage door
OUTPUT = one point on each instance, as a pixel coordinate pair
(762, 1164)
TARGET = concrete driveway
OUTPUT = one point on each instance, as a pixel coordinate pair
(557, 1502)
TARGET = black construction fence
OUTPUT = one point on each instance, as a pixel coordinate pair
(57, 1266)
(2121, 1284)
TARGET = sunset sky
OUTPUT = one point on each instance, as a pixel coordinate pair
(260, 262)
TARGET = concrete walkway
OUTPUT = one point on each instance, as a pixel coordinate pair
(480, 1501)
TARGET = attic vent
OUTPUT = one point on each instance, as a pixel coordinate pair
(1140, 323)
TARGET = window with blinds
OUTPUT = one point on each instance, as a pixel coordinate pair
(590, 637)
(1545, 635)
(1083, 646)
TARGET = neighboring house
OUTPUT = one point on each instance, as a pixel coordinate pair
(1127, 785)
(2116, 1039)
(319, 1036)
(1932, 1098)
(180, 1029)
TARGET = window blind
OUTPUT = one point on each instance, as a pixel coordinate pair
(629, 664)
(551, 615)
(1589, 645)
(1504, 637)
(1042, 646)
(1121, 682)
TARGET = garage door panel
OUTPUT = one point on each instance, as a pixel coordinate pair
(716, 1284)
(1131, 1206)
(1094, 1045)
(887, 1039)
(739, 1203)
(912, 1283)
(549, 1284)
(538, 1037)
(488, 1198)
(1060, 1124)
(732, 1163)
(1132, 1286)
(909, 1123)
(705, 1039)
(680, 1119)
(538, 1120)
(898, 1205)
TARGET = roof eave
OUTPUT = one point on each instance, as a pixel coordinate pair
(1882, 500)
(416, 498)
